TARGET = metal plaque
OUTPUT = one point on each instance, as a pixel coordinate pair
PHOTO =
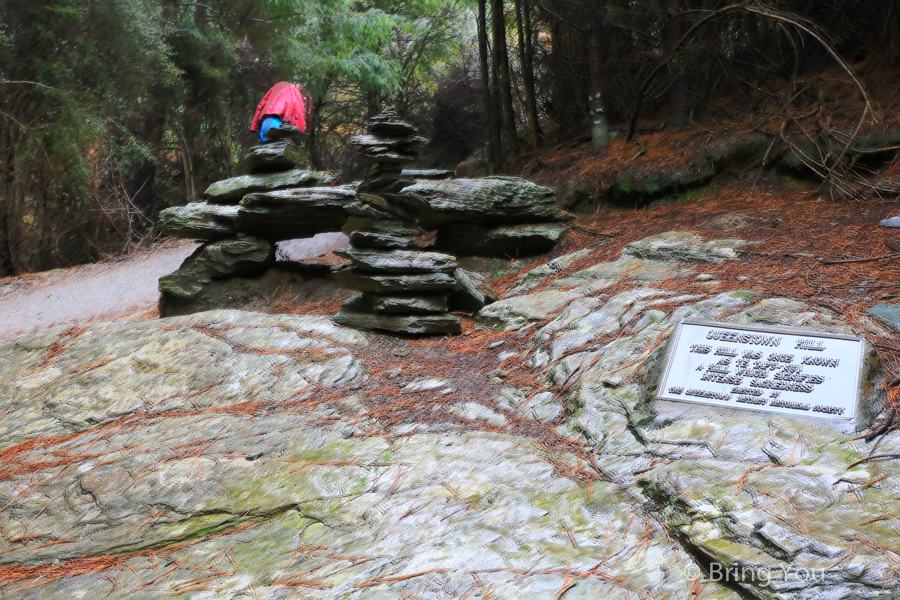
(778, 369)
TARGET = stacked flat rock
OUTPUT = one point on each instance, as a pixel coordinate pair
(273, 157)
(406, 227)
(241, 218)
(492, 216)
(282, 153)
(389, 144)
(406, 289)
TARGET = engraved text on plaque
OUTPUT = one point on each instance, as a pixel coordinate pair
(782, 370)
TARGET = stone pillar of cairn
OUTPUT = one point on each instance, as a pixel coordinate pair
(389, 144)
(240, 219)
(405, 288)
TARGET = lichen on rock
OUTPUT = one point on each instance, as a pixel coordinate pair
(283, 454)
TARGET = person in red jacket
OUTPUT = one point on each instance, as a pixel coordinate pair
(283, 103)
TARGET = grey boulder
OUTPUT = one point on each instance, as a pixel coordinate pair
(227, 258)
(390, 150)
(230, 191)
(406, 303)
(488, 200)
(470, 293)
(357, 314)
(428, 173)
(296, 213)
(391, 127)
(198, 221)
(385, 226)
(399, 261)
(393, 284)
(286, 131)
(274, 157)
(371, 239)
(516, 240)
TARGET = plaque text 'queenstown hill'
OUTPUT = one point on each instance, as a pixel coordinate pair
(782, 370)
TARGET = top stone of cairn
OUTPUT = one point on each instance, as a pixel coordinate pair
(388, 123)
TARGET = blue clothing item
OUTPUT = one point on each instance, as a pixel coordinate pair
(267, 124)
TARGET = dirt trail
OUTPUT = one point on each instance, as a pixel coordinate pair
(124, 287)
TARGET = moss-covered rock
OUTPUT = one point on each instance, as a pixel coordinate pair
(489, 200)
(199, 221)
(228, 258)
(643, 179)
(358, 313)
(230, 191)
(514, 240)
(273, 158)
(295, 213)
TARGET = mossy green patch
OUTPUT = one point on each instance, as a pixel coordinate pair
(744, 294)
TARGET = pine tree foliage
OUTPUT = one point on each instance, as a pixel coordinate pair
(111, 110)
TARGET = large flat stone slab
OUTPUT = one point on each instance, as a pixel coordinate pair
(295, 213)
(407, 303)
(230, 191)
(393, 284)
(488, 200)
(199, 221)
(516, 240)
(357, 314)
(238, 455)
(399, 261)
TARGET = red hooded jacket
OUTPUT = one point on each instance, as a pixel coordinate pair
(286, 102)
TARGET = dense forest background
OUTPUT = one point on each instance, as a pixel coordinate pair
(111, 110)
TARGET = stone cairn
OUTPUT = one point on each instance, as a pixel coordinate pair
(405, 288)
(406, 228)
(240, 219)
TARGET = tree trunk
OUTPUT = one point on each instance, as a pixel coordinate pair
(7, 268)
(501, 60)
(190, 189)
(492, 121)
(7, 162)
(679, 95)
(889, 36)
(599, 126)
(526, 55)
(373, 106)
(312, 142)
(200, 17)
(569, 90)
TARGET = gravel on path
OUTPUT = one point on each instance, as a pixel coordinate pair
(123, 287)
